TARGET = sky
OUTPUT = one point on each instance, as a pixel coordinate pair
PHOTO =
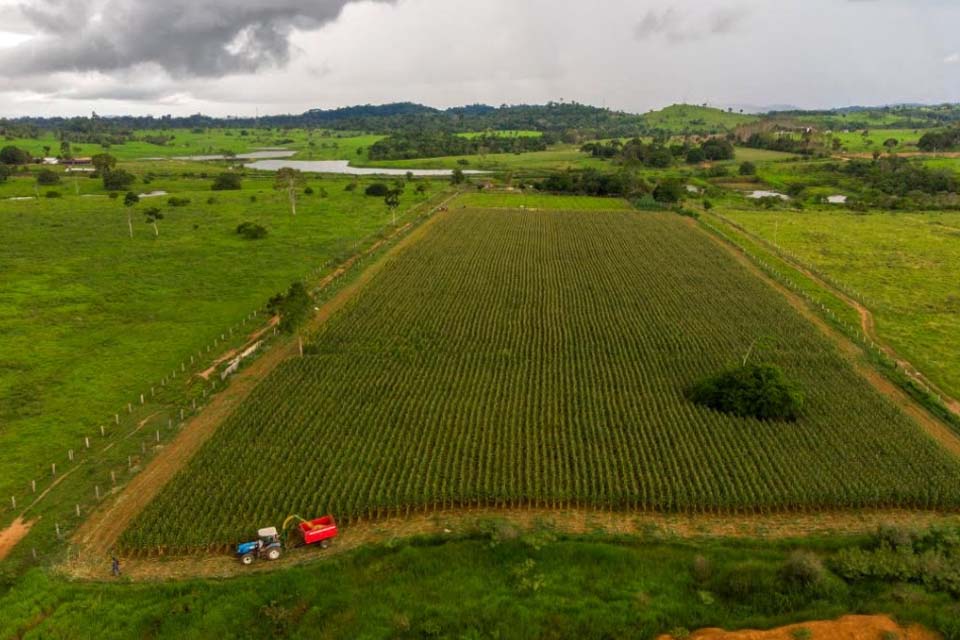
(241, 57)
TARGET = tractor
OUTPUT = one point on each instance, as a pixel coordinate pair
(267, 545)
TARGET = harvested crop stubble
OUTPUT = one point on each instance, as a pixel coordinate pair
(516, 359)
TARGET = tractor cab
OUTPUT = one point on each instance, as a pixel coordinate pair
(267, 545)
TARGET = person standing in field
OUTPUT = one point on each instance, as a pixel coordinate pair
(115, 566)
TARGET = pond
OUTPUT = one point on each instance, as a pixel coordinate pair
(756, 195)
(344, 167)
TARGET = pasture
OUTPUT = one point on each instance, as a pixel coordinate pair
(516, 358)
(89, 317)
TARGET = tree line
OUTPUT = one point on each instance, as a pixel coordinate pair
(403, 146)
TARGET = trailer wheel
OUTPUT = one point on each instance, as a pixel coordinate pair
(273, 554)
(324, 544)
(246, 559)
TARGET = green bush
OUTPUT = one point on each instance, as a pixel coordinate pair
(227, 182)
(759, 391)
(377, 189)
(48, 177)
(251, 231)
(802, 569)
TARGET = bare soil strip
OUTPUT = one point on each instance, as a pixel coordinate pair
(13, 534)
(930, 424)
(845, 628)
(510, 523)
(97, 535)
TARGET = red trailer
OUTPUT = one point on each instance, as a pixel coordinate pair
(319, 530)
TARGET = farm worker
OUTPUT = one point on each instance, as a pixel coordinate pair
(115, 565)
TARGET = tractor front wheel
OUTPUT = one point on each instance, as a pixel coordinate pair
(273, 554)
(246, 559)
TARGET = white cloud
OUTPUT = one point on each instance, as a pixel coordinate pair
(953, 58)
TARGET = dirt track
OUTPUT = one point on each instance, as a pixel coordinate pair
(569, 521)
(97, 535)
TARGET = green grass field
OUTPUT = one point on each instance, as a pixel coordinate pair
(856, 142)
(90, 317)
(905, 265)
(558, 158)
(521, 358)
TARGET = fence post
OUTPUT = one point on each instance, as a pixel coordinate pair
(158, 435)
(103, 432)
(141, 398)
(96, 490)
(70, 454)
(86, 441)
(57, 525)
(33, 486)
(78, 510)
(113, 477)
(13, 501)
(129, 462)
(53, 469)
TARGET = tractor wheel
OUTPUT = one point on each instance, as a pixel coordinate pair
(273, 554)
(246, 559)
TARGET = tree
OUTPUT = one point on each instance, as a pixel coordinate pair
(457, 177)
(392, 200)
(48, 177)
(292, 307)
(129, 201)
(227, 182)
(117, 180)
(695, 156)
(291, 181)
(103, 163)
(14, 155)
(748, 169)
(5, 172)
(669, 191)
(891, 144)
(251, 231)
(154, 214)
(65, 151)
(760, 391)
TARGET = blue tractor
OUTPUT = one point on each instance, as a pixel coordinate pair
(267, 545)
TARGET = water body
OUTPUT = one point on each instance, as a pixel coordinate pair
(344, 167)
(756, 195)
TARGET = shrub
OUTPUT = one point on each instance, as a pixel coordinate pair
(227, 182)
(745, 581)
(351, 186)
(701, 569)
(308, 191)
(802, 569)
(695, 156)
(377, 189)
(251, 231)
(748, 169)
(48, 177)
(53, 194)
(179, 202)
(801, 633)
(754, 390)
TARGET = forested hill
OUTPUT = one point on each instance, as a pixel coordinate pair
(558, 118)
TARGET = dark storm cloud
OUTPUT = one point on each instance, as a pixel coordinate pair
(184, 37)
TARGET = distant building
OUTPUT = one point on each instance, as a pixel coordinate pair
(51, 161)
(75, 161)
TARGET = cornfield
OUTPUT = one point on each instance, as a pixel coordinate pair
(541, 359)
